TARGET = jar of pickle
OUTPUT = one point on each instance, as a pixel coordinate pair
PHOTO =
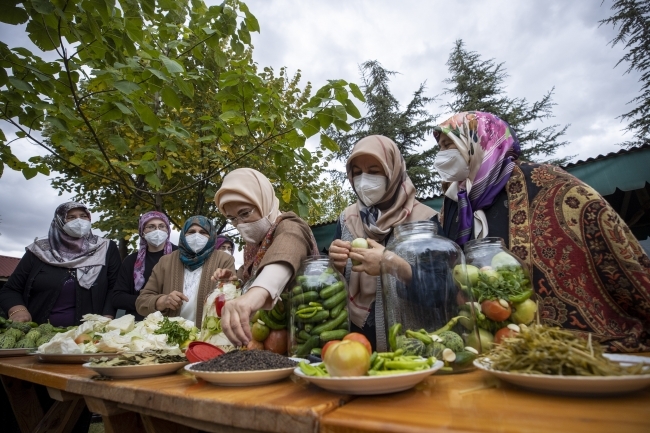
(428, 308)
(319, 310)
(502, 287)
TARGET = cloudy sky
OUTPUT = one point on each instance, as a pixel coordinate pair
(544, 44)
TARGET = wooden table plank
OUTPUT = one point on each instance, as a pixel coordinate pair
(286, 406)
(477, 402)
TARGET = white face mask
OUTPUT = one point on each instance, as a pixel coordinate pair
(156, 238)
(254, 232)
(196, 241)
(451, 165)
(77, 228)
(370, 188)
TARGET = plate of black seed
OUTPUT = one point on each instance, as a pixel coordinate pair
(244, 368)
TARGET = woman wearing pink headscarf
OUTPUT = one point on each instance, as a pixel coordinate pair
(589, 272)
(136, 268)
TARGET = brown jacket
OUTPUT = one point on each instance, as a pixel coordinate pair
(291, 244)
(167, 276)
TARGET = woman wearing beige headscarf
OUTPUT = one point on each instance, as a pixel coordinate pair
(385, 199)
(276, 244)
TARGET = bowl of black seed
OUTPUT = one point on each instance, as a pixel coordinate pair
(244, 368)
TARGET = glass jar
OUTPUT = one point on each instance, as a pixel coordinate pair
(501, 285)
(211, 332)
(319, 308)
(428, 309)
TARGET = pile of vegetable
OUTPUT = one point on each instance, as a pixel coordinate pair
(149, 357)
(99, 334)
(443, 343)
(540, 349)
(318, 312)
(353, 356)
(269, 330)
(211, 331)
(21, 335)
(502, 291)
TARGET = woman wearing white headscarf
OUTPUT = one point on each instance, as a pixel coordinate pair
(276, 244)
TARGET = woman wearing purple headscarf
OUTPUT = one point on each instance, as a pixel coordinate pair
(64, 275)
(589, 272)
(136, 268)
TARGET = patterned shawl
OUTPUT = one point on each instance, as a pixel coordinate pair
(490, 147)
(86, 254)
(138, 269)
(189, 258)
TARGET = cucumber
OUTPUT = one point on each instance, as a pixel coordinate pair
(333, 301)
(304, 335)
(308, 346)
(318, 317)
(334, 312)
(264, 317)
(337, 334)
(305, 298)
(332, 324)
(315, 351)
(332, 290)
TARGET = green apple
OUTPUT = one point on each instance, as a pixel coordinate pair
(503, 259)
(358, 243)
(471, 274)
(484, 341)
(492, 275)
(524, 312)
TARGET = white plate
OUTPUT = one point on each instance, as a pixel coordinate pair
(71, 358)
(242, 378)
(370, 385)
(16, 352)
(136, 371)
(575, 385)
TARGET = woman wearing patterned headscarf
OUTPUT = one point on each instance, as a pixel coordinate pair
(589, 272)
(64, 275)
(385, 199)
(180, 282)
(136, 268)
(276, 244)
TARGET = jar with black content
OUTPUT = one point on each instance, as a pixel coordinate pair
(319, 307)
(428, 308)
(502, 287)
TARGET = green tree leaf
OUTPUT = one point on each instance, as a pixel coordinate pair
(43, 6)
(173, 67)
(328, 143)
(357, 92)
(147, 115)
(170, 98)
(121, 146)
(13, 15)
(126, 87)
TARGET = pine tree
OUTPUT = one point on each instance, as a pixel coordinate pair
(478, 85)
(408, 127)
(632, 17)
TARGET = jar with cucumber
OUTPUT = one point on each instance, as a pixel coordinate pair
(319, 310)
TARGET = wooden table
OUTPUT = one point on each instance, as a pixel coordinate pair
(472, 402)
(167, 403)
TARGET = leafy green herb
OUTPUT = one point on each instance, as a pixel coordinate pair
(509, 282)
(175, 332)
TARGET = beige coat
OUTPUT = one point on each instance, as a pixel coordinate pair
(167, 276)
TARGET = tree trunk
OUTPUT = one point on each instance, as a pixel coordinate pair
(123, 246)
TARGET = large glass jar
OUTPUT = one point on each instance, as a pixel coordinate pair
(427, 306)
(502, 287)
(319, 309)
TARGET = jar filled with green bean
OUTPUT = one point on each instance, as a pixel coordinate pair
(319, 307)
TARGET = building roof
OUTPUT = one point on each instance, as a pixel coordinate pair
(7, 265)
(607, 156)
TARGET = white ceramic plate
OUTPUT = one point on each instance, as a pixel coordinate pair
(242, 378)
(575, 385)
(71, 358)
(136, 371)
(15, 352)
(370, 385)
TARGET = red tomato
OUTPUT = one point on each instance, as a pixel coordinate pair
(327, 346)
(276, 341)
(493, 310)
(356, 336)
(347, 358)
(502, 334)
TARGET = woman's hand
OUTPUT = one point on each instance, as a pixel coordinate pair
(21, 315)
(236, 315)
(223, 274)
(339, 253)
(173, 301)
(370, 258)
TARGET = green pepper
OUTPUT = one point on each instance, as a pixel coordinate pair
(422, 337)
(318, 317)
(405, 365)
(392, 335)
(449, 325)
(516, 299)
(379, 364)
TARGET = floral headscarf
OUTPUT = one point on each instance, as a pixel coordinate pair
(189, 258)
(490, 147)
(138, 269)
(86, 254)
